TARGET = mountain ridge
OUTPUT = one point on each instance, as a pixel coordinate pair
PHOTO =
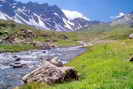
(49, 17)
(126, 19)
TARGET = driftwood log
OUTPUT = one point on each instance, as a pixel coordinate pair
(50, 74)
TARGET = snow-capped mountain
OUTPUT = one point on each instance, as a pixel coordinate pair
(71, 15)
(83, 23)
(126, 18)
(39, 15)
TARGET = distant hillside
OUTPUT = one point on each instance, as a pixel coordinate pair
(126, 19)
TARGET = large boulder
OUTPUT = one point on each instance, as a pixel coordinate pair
(131, 36)
(26, 34)
(50, 74)
(17, 64)
(131, 59)
(22, 36)
(41, 45)
(64, 37)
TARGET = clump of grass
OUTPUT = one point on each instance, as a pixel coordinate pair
(36, 86)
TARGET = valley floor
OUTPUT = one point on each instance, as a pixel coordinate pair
(103, 66)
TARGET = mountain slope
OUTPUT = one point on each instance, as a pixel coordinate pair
(126, 19)
(81, 23)
(38, 15)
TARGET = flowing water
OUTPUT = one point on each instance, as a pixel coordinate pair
(11, 77)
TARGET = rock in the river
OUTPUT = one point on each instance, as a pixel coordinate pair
(17, 65)
(56, 61)
(17, 58)
(51, 74)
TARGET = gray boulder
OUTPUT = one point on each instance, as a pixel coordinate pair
(17, 65)
(50, 74)
(131, 59)
(131, 36)
(56, 61)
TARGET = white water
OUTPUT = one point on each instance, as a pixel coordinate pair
(10, 77)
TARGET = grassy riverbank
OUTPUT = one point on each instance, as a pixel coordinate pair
(16, 48)
(100, 32)
(103, 66)
(10, 29)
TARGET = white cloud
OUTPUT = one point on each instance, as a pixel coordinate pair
(118, 16)
(74, 14)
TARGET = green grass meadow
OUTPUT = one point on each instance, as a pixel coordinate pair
(103, 66)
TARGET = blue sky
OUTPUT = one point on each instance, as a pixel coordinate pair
(94, 9)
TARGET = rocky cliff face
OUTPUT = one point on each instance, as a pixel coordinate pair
(39, 15)
(80, 23)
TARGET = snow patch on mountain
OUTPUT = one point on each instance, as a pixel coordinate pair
(49, 17)
(74, 14)
(121, 14)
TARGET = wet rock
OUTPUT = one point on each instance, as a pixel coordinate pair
(16, 58)
(56, 61)
(51, 74)
(17, 65)
(43, 51)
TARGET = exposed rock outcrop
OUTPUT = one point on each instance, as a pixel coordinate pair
(64, 37)
(56, 61)
(130, 36)
(22, 36)
(18, 65)
(44, 45)
(51, 73)
(44, 16)
(131, 59)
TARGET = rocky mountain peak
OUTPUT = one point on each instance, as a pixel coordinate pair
(125, 19)
(45, 16)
